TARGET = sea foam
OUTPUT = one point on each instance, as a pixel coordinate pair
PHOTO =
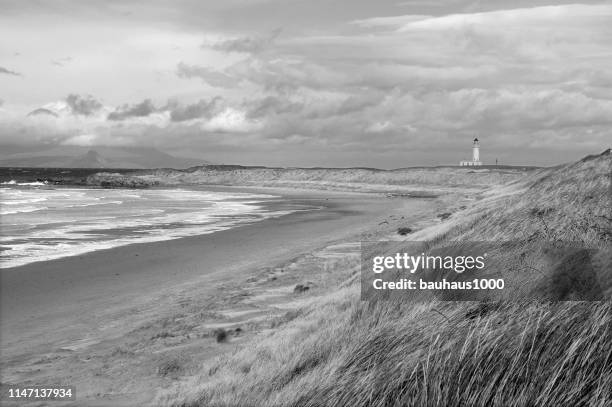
(75, 221)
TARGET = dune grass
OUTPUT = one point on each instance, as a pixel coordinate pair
(346, 352)
(352, 353)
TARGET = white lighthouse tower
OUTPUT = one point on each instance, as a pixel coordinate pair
(475, 156)
(476, 151)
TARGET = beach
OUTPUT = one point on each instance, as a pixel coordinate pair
(72, 305)
(305, 204)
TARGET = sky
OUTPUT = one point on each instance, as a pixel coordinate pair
(338, 83)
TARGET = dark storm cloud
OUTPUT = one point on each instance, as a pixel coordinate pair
(141, 109)
(208, 75)
(202, 109)
(83, 105)
(8, 72)
(251, 45)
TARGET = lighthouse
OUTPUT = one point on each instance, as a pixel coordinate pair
(475, 156)
(476, 151)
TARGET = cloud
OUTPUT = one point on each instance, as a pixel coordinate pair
(277, 73)
(250, 45)
(272, 105)
(43, 111)
(8, 72)
(393, 22)
(533, 15)
(142, 109)
(231, 120)
(208, 75)
(61, 61)
(81, 140)
(379, 127)
(571, 14)
(202, 109)
(71, 105)
(359, 102)
(518, 109)
(83, 105)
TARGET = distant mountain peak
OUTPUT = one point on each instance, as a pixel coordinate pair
(91, 159)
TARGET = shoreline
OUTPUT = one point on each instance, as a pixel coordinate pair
(258, 207)
(58, 301)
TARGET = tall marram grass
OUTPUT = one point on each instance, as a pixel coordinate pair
(351, 353)
(346, 352)
(544, 355)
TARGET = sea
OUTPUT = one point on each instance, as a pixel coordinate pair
(41, 222)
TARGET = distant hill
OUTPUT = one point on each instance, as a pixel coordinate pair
(94, 157)
(91, 159)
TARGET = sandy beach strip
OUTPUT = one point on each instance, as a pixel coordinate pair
(46, 303)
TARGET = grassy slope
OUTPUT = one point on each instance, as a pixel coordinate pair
(347, 352)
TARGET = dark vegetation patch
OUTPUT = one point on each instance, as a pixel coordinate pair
(301, 288)
(221, 335)
(404, 231)
(170, 367)
(541, 211)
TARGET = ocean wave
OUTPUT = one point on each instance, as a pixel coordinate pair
(35, 183)
(26, 253)
(22, 210)
(23, 201)
(94, 204)
(84, 220)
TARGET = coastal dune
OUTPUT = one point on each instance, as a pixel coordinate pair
(446, 353)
